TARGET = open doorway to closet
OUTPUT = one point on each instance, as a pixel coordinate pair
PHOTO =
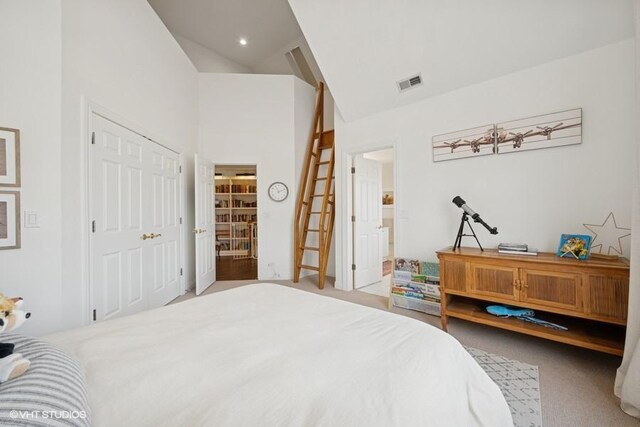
(374, 217)
(236, 238)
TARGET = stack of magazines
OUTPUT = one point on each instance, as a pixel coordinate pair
(516, 249)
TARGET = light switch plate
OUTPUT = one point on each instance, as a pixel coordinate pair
(31, 219)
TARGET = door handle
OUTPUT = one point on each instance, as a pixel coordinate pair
(153, 236)
(146, 236)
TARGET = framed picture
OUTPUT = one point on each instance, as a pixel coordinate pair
(9, 157)
(574, 246)
(9, 220)
(546, 131)
(387, 198)
(474, 142)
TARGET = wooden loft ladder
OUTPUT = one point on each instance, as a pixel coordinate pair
(315, 207)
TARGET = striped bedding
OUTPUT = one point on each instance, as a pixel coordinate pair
(51, 393)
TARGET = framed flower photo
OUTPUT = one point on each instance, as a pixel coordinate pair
(574, 246)
(9, 220)
(9, 157)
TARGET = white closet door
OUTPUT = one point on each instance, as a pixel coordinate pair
(117, 208)
(135, 239)
(162, 252)
(367, 206)
(204, 186)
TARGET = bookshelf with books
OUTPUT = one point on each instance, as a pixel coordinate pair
(416, 286)
(236, 215)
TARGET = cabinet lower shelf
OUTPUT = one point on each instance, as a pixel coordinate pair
(597, 336)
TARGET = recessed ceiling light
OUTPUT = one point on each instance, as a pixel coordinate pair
(243, 41)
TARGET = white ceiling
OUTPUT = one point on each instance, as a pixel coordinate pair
(268, 25)
(364, 49)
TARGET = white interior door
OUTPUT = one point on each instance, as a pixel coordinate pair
(162, 252)
(117, 267)
(135, 193)
(367, 209)
(204, 224)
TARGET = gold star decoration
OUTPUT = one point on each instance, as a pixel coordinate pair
(608, 236)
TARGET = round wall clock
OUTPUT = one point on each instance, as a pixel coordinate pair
(278, 191)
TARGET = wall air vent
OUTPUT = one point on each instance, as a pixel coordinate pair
(410, 83)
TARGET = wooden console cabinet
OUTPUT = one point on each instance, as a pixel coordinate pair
(589, 297)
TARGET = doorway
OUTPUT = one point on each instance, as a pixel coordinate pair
(236, 237)
(373, 212)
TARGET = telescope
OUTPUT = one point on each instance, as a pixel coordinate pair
(468, 212)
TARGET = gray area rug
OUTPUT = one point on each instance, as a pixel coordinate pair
(519, 384)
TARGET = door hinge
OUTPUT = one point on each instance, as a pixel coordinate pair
(181, 271)
(353, 170)
(180, 169)
(94, 314)
(353, 218)
(180, 220)
(93, 138)
(93, 226)
(353, 267)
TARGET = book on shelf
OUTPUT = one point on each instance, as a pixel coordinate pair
(531, 252)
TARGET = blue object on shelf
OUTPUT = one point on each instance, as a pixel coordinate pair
(522, 313)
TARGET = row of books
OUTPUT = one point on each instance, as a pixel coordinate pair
(235, 188)
(235, 204)
(416, 286)
(236, 218)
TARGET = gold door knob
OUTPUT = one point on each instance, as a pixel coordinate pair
(146, 236)
(153, 236)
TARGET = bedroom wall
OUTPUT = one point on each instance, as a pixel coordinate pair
(531, 197)
(118, 54)
(30, 101)
(207, 61)
(250, 118)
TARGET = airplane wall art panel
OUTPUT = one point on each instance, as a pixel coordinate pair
(549, 130)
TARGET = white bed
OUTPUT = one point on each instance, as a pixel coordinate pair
(268, 355)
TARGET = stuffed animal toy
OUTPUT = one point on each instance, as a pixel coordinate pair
(12, 365)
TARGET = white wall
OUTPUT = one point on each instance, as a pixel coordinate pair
(30, 101)
(532, 196)
(207, 61)
(118, 54)
(250, 119)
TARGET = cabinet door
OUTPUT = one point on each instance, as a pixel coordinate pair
(608, 297)
(553, 289)
(453, 275)
(494, 281)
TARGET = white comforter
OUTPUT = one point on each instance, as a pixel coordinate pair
(268, 355)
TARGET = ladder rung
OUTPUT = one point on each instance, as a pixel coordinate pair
(309, 248)
(317, 195)
(304, 203)
(317, 213)
(309, 267)
(314, 230)
(326, 162)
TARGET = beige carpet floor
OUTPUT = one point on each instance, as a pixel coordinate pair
(576, 384)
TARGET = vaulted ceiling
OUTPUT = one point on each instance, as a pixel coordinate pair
(363, 48)
(267, 25)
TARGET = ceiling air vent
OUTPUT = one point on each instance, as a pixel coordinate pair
(410, 82)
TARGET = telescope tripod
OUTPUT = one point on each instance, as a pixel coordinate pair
(461, 234)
